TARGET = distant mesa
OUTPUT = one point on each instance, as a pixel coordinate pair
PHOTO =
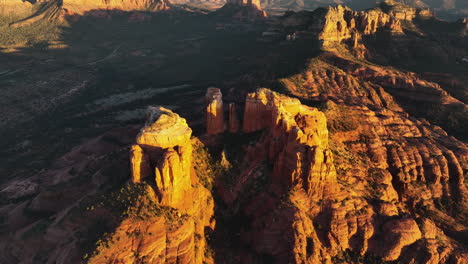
(242, 10)
(56, 9)
(245, 3)
(81, 6)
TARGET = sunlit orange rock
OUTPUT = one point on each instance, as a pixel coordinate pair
(140, 163)
(398, 234)
(243, 9)
(159, 237)
(165, 142)
(341, 23)
(81, 6)
(297, 141)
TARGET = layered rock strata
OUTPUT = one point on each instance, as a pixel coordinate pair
(297, 144)
(378, 202)
(165, 152)
(341, 23)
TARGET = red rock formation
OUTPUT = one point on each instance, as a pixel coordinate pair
(398, 234)
(165, 143)
(141, 167)
(234, 124)
(242, 9)
(384, 165)
(342, 23)
(165, 237)
(214, 111)
(176, 234)
(398, 10)
(297, 144)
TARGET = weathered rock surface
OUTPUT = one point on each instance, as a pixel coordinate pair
(165, 143)
(177, 236)
(297, 144)
(341, 23)
(242, 9)
(141, 166)
(168, 238)
(214, 111)
(398, 234)
(351, 189)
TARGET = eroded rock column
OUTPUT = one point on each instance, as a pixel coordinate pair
(214, 111)
(164, 150)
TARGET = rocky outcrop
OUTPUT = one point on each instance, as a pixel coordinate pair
(297, 142)
(348, 189)
(154, 234)
(214, 111)
(398, 234)
(341, 23)
(141, 166)
(255, 3)
(166, 224)
(242, 10)
(164, 143)
(398, 10)
(409, 161)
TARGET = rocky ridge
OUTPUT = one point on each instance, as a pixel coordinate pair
(362, 194)
(82, 6)
(51, 10)
(341, 23)
(242, 10)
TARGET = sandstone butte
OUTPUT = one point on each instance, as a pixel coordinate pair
(163, 158)
(297, 143)
(243, 9)
(214, 111)
(164, 151)
(341, 23)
